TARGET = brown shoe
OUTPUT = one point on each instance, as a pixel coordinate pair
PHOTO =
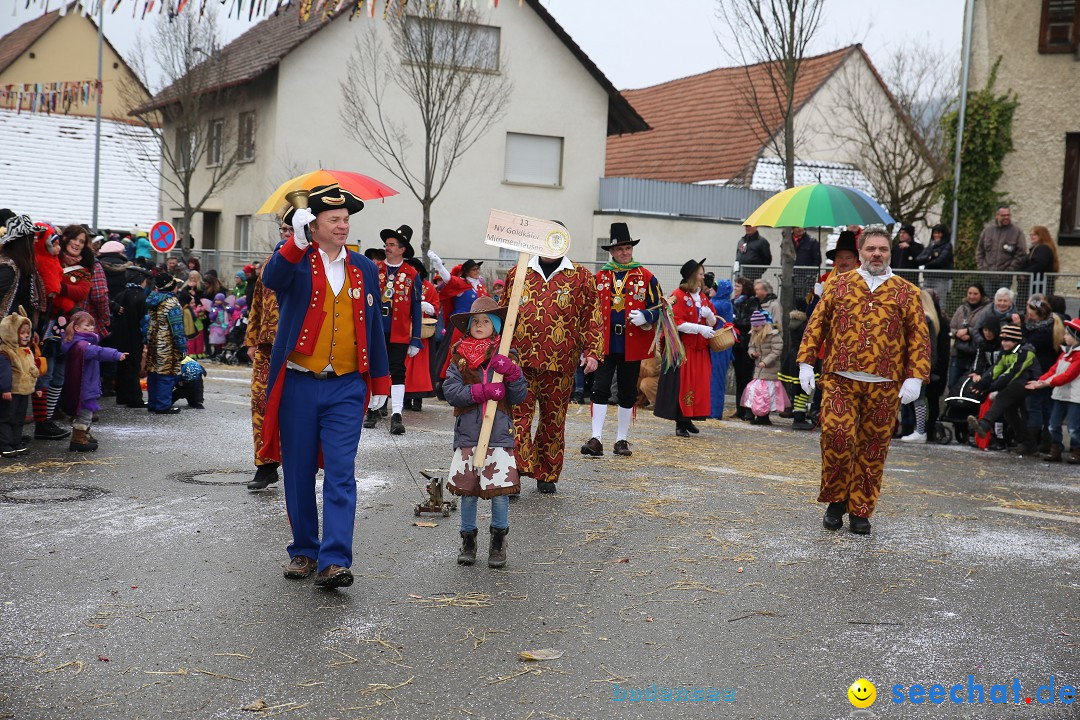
(594, 448)
(622, 448)
(299, 568)
(334, 576)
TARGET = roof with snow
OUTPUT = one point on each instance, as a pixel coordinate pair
(769, 175)
(47, 170)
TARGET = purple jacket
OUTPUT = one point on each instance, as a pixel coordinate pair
(82, 380)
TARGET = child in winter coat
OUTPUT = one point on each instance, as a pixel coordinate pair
(219, 324)
(82, 381)
(1064, 378)
(1007, 381)
(18, 373)
(765, 393)
(468, 387)
(190, 385)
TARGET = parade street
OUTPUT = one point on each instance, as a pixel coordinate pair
(144, 581)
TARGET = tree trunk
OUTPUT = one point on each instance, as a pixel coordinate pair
(425, 233)
(787, 247)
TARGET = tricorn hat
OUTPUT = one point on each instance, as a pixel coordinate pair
(164, 281)
(620, 235)
(690, 267)
(481, 306)
(469, 265)
(403, 235)
(846, 241)
(332, 197)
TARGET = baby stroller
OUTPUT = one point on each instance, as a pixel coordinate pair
(233, 351)
(963, 399)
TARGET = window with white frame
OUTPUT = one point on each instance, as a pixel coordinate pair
(451, 44)
(214, 142)
(245, 136)
(243, 232)
(534, 159)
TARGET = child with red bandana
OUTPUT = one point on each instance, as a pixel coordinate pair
(468, 387)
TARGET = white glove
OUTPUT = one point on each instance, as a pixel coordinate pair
(435, 259)
(377, 401)
(806, 378)
(427, 308)
(413, 351)
(689, 328)
(819, 288)
(638, 318)
(706, 332)
(909, 391)
(707, 315)
(302, 217)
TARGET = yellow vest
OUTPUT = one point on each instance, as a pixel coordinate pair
(336, 344)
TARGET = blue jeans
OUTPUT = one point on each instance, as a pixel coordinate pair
(500, 510)
(1058, 415)
(159, 390)
(1039, 407)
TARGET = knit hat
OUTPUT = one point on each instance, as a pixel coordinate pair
(759, 318)
(113, 246)
(992, 324)
(219, 296)
(1012, 332)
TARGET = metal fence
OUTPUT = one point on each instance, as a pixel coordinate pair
(225, 262)
(950, 285)
(656, 197)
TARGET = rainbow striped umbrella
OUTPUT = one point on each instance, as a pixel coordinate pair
(819, 205)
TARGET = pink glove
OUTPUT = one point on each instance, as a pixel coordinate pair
(505, 367)
(482, 392)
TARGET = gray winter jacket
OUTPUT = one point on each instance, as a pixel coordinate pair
(1001, 248)
(467, 424)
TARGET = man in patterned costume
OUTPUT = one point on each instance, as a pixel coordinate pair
(629, 307)
(558, 327)
(259, 341)
(401, 291)
(877, 356)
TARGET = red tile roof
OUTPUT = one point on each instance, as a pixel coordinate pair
(19, 40)
(702, 128)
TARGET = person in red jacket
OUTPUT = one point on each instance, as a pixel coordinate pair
(1064, 377)
(77, 269)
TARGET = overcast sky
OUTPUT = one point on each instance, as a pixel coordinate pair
(638, 43)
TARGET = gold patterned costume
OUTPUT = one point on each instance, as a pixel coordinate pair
(262, 327)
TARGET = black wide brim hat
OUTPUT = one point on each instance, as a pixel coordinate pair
(403, 235)
(846, 241)
(374, 254)
(619, 236)
(332, 197)
(690, 267)
(481, 306)
(469, 265)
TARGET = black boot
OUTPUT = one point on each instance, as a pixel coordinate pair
(546, 487)
(1028, 441)
(800, 422)
(1044, 440)
(694, 429)
(497, 550)
(385, 409)
(371, 419)
(834, 516)
(418, 404)
(397, 426)
(49, 430)
(467, 554)
(680, 429)
(264, 475)
(859, 525)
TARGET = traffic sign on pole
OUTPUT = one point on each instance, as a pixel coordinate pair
(163, 236)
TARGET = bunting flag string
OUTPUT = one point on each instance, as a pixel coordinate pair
(324, 9)
(48, 97)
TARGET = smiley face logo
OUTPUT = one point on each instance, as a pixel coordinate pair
(862, 693)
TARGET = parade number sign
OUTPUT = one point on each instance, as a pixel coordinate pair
(529, 236)
(163, 236)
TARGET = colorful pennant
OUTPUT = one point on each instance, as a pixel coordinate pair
(48, 97)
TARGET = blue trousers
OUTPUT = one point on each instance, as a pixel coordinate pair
(720, 363)
(1063, 411)
(159, 390)
(500, 510)
(324, 414)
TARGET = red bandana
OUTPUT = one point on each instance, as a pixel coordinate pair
(477, 351)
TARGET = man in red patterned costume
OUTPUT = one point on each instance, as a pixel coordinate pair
(629, 308)
(877, 356)
(558, 327)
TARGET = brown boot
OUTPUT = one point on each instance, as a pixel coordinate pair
(594, 448)
(1054, 454)
(497, 549)
(81, 442)
(1074, 457)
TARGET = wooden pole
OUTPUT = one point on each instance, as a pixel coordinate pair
(479, 458)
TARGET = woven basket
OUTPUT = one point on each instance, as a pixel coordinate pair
(722, 340)
(427, 327)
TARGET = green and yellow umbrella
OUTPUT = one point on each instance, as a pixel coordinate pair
(819, 205)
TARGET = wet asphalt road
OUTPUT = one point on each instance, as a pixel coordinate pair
(696, 563)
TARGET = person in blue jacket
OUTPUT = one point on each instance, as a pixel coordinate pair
(328, 365)
(721, 361)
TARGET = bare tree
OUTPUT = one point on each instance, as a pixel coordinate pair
(193, 121)
(894, 133)
(449, 67)
(774, 34)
